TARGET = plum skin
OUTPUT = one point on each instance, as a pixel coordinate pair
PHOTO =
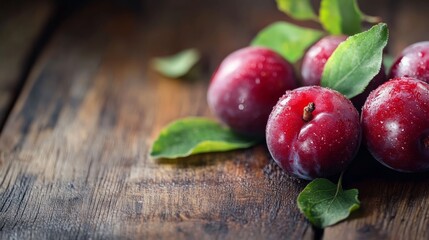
(321, 147)
(395, 121)
(316, 57)
(246, 86)
(412, 62)
(314, 62)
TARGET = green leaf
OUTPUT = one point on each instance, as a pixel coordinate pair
(298, 9)
(176, 65)
(287, 39)
(323, 203)
(194, 135)
(356, 61)
(341, 16)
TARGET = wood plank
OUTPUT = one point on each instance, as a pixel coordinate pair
(21, 23)
(74, 154)
(394, 206)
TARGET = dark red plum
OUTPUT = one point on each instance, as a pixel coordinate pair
(313, 132)
(315, 59)
(395, 121)
(412, 62)
(246, 86)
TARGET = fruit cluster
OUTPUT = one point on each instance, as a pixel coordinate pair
(312, 131)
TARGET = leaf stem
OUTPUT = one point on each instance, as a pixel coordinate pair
(340, 183)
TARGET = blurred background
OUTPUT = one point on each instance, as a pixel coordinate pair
(207, 25)
(215, 27)
(163, 27)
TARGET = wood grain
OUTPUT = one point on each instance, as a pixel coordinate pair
(21, 23)
(74, 153)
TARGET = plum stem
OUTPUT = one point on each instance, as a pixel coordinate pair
(307, 115)
(426, 142)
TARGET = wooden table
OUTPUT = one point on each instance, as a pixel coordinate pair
(81, 108)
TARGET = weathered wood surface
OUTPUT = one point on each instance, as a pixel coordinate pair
(74, 152)
(21, 23)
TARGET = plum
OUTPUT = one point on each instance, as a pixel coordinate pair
(412, 62)
(246, 86)
(395, 121)
(313, 132)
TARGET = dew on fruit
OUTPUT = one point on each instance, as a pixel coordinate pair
(306, 146)
(241, 106)
(392, 126)
(282, 138)
(242, 97)
(283, 102)
(257, 81)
